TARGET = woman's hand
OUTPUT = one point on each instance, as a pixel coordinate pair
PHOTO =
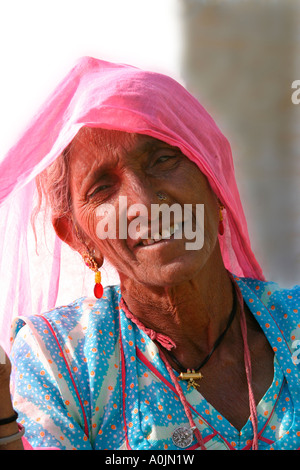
(5, 369)
(6, 407)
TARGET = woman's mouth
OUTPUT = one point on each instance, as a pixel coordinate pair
(165, 234)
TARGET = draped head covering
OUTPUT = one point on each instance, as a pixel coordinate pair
(106, 95)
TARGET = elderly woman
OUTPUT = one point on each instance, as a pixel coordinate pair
(194, 349)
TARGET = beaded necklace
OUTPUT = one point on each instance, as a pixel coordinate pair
(183, 436)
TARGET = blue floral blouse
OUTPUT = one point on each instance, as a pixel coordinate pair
(85, 377)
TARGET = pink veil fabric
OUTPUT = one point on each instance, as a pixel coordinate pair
(97, 93)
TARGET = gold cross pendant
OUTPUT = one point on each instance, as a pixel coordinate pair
(191, 376)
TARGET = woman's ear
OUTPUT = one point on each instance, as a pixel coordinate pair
(65, 230)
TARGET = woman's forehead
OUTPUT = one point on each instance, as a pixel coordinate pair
(102, 138)
(113, 143)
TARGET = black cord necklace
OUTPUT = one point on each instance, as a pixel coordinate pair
(194, 374)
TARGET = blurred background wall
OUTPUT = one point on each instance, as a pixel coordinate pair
(240, 58)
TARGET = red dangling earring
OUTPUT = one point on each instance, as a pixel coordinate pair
(98, 289)
(91, 263)
(221, 224)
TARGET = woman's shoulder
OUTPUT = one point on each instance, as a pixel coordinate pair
(77, 318)
(273, 295)
(281, 304)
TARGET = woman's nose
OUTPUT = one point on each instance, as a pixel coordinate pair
(143, 192)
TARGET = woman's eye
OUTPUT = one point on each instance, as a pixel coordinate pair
(99, 189)
(164, 158)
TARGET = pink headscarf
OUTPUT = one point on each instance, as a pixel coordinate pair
(112, 96)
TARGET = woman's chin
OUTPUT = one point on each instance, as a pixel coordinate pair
(167, 268)
(169, 275)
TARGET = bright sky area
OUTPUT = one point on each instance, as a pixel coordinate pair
(41, 40)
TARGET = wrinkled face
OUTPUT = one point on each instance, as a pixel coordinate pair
(109, 168)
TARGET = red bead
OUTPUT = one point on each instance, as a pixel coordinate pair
(221, 228)
(98, 291)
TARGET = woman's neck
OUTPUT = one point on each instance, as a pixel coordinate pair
(193, 314)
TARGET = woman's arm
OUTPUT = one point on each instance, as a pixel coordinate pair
(6, 408)
(43, 392)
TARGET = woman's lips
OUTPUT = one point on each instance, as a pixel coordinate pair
(165, 234)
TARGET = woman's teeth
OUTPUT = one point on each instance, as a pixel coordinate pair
(165, 234)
